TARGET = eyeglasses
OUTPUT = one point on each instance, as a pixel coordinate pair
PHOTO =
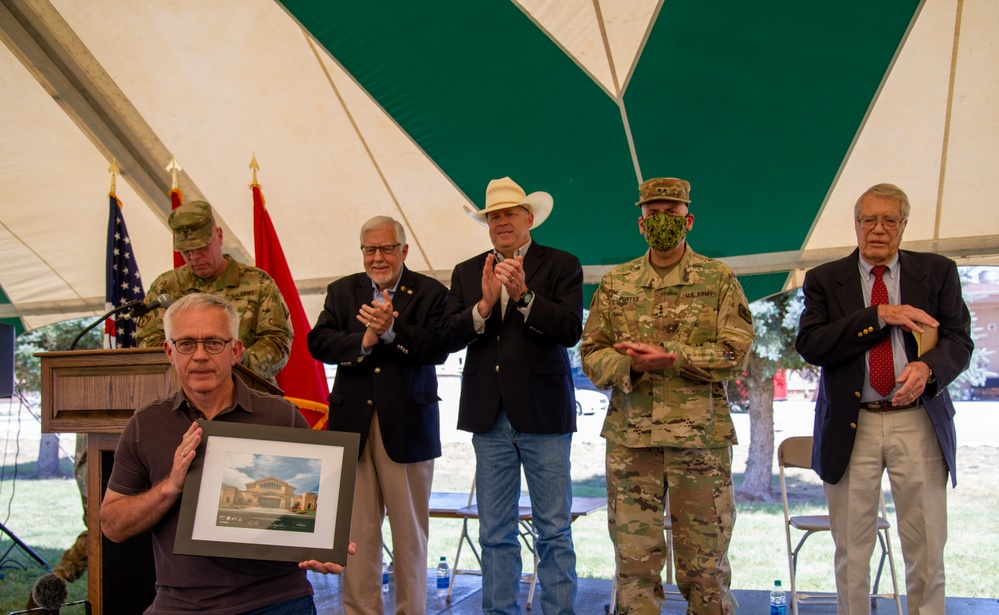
(187, 345)
(870, 222)
(385, 250)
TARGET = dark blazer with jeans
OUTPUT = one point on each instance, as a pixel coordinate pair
(521, 366)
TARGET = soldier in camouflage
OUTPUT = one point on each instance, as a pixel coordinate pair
(264, 326)
(665, 331)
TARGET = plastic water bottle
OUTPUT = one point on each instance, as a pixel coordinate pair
(385, 583)
(778, 600)
(443, 577)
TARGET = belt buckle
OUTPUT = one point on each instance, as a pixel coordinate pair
(885, 406)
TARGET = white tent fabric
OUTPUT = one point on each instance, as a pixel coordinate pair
(211, 97)
(935, 113)
(212, 84)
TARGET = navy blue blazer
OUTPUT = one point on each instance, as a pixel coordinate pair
(399, 379)
(837, 329)
(522, 365)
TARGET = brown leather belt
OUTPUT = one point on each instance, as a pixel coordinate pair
(885, 406)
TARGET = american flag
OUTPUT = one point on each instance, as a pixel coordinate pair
(123, 282)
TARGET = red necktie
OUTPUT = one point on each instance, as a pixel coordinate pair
(882, 363)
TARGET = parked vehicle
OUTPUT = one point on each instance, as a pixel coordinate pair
(589, 402)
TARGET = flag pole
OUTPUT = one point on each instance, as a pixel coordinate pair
(174, 170)
(255, 167)
(113, 170)
(176, 200)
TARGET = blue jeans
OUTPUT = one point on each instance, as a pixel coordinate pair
(294, 606)
(499, 454)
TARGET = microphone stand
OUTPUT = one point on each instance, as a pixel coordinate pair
(44, 610)
(120, 308)
(18, 543)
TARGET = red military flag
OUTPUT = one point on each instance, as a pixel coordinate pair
(176, 200)
(303, 378)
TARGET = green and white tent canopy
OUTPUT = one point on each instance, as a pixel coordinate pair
(780, 114)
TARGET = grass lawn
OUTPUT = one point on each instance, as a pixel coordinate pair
(46, 514)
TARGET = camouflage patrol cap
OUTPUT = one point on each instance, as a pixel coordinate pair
(192, 225)
(663, 189)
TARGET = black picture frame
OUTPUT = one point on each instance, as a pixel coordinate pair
(221, 519)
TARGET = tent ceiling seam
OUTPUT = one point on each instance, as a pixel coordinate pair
(641, 48)
(631, 141)
(945, 146)
(564, 50)
(619, 95)
(364, 143)
(607, 49)
(863, 124)
(54, 271)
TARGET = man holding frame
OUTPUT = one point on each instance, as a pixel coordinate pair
(154, 455)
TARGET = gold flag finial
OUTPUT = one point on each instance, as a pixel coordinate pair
(174, 170)
(113, 170)
(255, 167)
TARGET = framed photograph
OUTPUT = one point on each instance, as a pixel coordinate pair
(273, 493)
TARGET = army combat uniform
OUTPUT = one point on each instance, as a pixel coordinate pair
(264, 326)
(670, 429)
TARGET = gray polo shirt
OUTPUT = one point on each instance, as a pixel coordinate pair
(189, 583)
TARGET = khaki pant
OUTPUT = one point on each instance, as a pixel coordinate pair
(403, 491)
(903, 442)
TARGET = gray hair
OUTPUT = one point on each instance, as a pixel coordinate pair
(885, 191)
(380, 221)
(201, 301)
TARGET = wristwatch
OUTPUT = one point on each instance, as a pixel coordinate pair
(525, 299)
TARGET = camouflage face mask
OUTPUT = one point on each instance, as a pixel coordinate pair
(664, 232)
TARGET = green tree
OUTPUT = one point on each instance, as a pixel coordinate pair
(57, 336)
(28, 378)
(776, 322)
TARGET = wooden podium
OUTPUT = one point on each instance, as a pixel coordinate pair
(95, 392)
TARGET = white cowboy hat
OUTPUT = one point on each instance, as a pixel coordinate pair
(505, 193)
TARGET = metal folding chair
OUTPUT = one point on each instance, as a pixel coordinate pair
(796, 452)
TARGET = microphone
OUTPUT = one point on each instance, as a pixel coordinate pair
(49, 592)
(136, 309)
(140, 308)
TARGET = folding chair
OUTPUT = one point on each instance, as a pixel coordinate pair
(668, 530)
(797, 453)
(526, 531)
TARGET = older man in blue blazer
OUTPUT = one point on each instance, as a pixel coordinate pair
(380, 328)
(517, 308)
(870, 320)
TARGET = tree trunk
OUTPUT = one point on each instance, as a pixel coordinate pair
(48, 456)
(759, 467)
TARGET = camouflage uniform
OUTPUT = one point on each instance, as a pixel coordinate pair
(264, 326)
(670, 429)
